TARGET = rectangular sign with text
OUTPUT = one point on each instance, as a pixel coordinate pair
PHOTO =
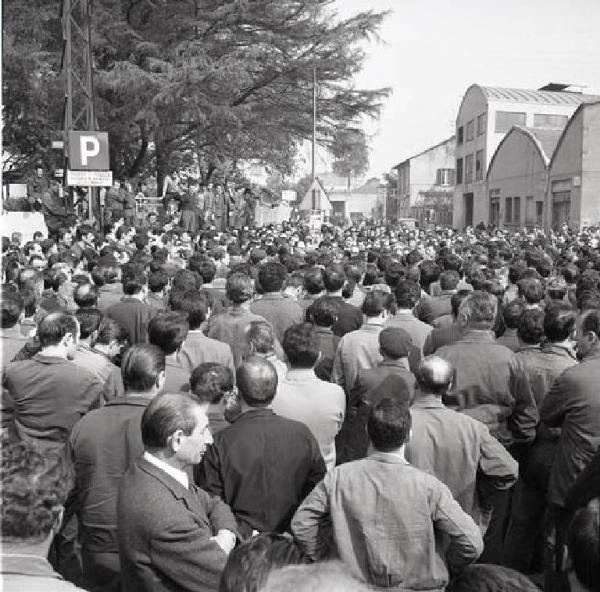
(89, 178)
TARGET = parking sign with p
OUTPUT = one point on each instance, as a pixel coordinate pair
(88, 151)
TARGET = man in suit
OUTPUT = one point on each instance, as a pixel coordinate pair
(440, 306)
(262, 465)
(172, 535)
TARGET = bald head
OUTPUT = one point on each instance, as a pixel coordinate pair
(434, 375)
(257, 381)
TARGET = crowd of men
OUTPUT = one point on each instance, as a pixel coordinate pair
(210, 407)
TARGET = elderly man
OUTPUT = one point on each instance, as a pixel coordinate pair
(171, 534)
(263, 465)
(454, 447)
(389, 518)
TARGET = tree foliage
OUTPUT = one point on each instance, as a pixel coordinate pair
(350, 152)
(201, 83)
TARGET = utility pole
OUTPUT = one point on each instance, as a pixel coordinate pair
(314, 130)
(77, 69)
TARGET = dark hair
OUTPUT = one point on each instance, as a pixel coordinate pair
(239, 288)
(430, 273)
(375, 303)
(389, 424)
(261, 335)
(250, 563)
(511, 313)
(591, 322)
(583, 543)
(85, 295)
(83, 230)
(272, 276)
(195, 304)
(394, 272)
(559, 322)
(452, 262)
(140, 367)
(408, 294)
(133, 278)
(165, 415)
(531, 289)
(185, 280)
(157, 280)
(35, 486)
(490, 578)
(324, 311)
(12, 307)
(313, 280)
(257, 381)
(334, 279)
(210, 381)
(206, 268)
(109, 330)
(531, 326)
(457, 299)
(54, 326)
(168, 331)
(30, 301)
(301, 345)
(449, 280)
(89, 321)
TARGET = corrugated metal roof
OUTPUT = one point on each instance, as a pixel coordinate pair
(546, 138)
(493, 93)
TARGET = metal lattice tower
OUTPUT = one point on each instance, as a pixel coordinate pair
(77, 69)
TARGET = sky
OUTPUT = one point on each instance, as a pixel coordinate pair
(431, 51)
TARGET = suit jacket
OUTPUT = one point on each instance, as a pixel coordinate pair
(198, 349)
(164, 533)
(435, 307)
(133, 316)
(573, 403)
(263, 466)
(281, 310)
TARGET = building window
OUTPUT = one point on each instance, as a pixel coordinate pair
(495, 207)
(315, 199)
(481, 124)
(549, 120)
(479, 165)
(539, 213)
(529, 213)
(470, 129)
(460, 135)
(506, 119)
(517, 210)
(444, 177)
(469, 168)
(459, 171)
(508, 210)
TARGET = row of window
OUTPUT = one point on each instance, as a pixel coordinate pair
(512, 210)
(506, 119)
(468, 171)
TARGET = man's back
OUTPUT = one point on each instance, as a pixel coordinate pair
(349, 317)
(318, 404)
(106, 372)
(199, 349)
(435, 307)
(133, 316)
(102, 446)
(573, 403)
(11, 342)
(418, 330)
(229, 327)
(280, 310)
(263, 466)
(456, 448)
(109, 294)
(50, 395)
(387, 520)
(441, 336)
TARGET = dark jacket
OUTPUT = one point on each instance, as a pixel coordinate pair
(164, 533)
(134, 317)
(281, 310)
(263, 466)
(573, 403)
(349, 317)
(49, 396)
(102, 446)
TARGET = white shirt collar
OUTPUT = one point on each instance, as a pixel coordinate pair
(177, 474)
